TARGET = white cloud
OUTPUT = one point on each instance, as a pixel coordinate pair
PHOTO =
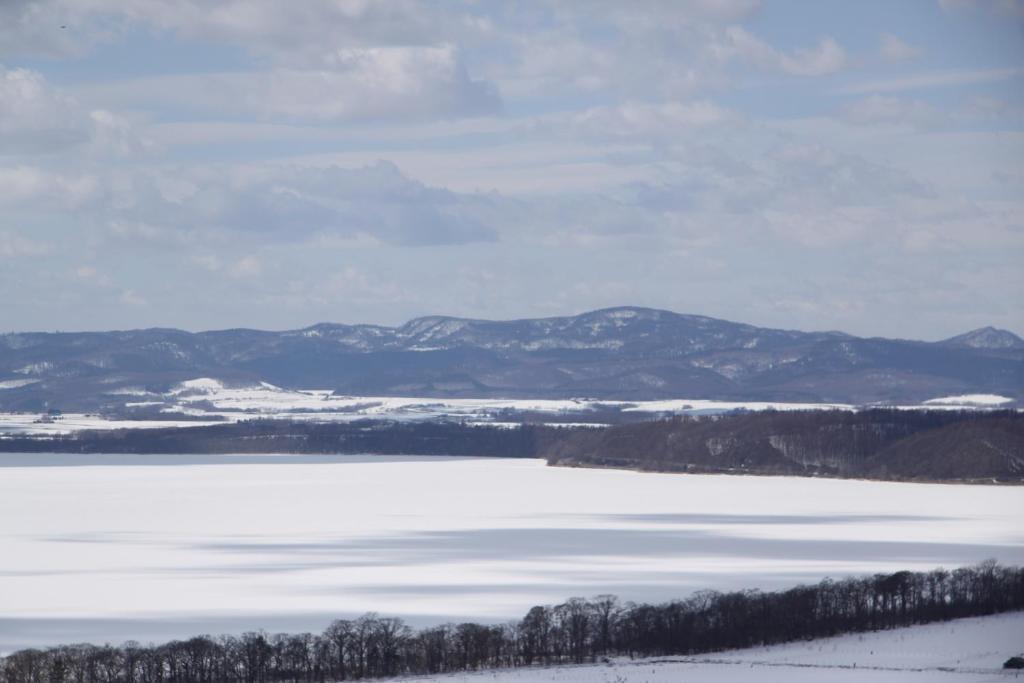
(93, 276)
(649, 119)
(115, 134)
(247, 266)
(1013, 8)
(375, 84)
(288, 32)
(934, 79)
(297, 33)
(886, 109)
(15, 245)
(825, 58)
(351, 59)
(37, 118)
(737, 43)
(658, 13)
(307, 33)
(808, 172)
(208, 262)
(267, 204)
(130, 297)
(49, 28)
(611, 141)
(985, 108)
(895, 50)
(34, 117)
(31, 186)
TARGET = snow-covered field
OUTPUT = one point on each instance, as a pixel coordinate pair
(31, 423)
(209, 398)
(269, 399)
(970, 400)
(97, 547)
(966, 650)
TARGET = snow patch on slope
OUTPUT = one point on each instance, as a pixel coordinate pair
(206, 385)
(35, 368)
(22, 424)
(16, 383)
(970, 400)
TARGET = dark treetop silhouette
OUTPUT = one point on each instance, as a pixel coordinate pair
(576, 631)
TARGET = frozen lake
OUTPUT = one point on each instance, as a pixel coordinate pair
(151, 547)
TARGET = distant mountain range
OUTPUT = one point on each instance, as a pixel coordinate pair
(623, 353)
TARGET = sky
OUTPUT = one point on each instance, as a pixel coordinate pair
(804, 164)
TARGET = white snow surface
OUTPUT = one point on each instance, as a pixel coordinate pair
(267, 398)
(971, 400)
(111, 547)
(208, 397)
(130, 391)
(965, 650)
(16, 383)
(12, 424)
(697, 405)
(200, 384)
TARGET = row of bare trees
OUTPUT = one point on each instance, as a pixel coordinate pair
(576, 631)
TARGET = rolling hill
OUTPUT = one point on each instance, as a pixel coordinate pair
(627, 353)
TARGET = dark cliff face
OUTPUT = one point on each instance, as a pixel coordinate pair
(625, 353)
(878, 444)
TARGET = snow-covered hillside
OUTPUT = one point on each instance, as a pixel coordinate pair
(970, 400)
(962, 651)
(624, 353)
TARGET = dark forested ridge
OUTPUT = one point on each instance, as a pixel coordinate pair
(628, 353)
(902, 445)
(937, 445)
(285, 436)
(874, 444)
(577, 631)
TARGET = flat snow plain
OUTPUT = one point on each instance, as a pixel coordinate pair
(208, 398)
(962, 651)
(112, 547)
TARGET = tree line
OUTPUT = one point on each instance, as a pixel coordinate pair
(383, 437)
(976, 446)
(576, 631)
(980, 446)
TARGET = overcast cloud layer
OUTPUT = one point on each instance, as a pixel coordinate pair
(814, 165)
